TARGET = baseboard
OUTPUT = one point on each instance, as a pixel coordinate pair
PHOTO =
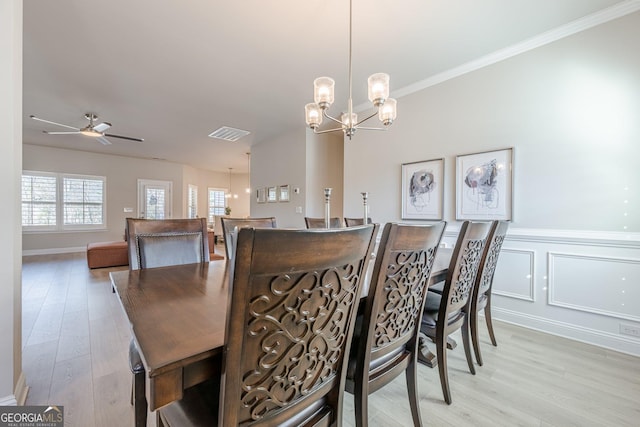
(51, 251)
(566, 330)
(22, 390)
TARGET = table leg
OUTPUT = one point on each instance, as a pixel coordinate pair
(425, 356)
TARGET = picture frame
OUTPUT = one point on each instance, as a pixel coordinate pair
(484, 185)
(423, 189)
(283, 193)
(272, 194)
(261, 195)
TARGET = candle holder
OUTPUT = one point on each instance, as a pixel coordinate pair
(365, 207)
(327, 207)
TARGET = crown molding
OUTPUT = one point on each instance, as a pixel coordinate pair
(605, 15)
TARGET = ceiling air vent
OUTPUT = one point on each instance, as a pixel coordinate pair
(229, 134)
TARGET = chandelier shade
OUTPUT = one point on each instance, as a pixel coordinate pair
(323, 96)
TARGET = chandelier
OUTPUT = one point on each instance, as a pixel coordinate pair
(229, 195)
(323, 88)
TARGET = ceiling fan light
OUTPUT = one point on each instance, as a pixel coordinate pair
(378, 88)
(387, 112)
(323, 91)
(90, 132)
(313, 115)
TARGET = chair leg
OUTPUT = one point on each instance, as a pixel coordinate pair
(139, 399)
(475, 339)
(487, 316)
(361, 400)
(467, 345)
(412, 387)
(441, 354)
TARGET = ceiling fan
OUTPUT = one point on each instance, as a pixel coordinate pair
(93, 130)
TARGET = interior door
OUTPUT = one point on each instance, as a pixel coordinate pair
(154, 199)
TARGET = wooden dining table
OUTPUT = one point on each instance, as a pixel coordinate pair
(178, 316)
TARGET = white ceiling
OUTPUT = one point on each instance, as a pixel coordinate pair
(171, 72)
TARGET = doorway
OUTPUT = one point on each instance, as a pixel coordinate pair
(154, 199)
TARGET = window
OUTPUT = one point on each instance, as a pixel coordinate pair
(38, 200)
(217, 203)
(62, 201)
(83, 201)
(192, 203)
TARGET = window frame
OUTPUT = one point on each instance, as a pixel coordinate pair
(211, 216)
(60, 226)
(192, 201)
(40, 228)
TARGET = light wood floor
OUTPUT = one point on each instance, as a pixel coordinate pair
(75, 338)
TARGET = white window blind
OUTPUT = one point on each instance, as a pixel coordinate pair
(83, 201)
(53, 201)
(217, 203)
(192, 204)
(39, 195)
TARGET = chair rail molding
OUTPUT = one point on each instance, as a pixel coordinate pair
(615, 239)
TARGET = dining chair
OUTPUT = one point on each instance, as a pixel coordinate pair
(164, 242)
(481, 297)
(447, 312)
(292, 311)
(350, 222)
(160, 243)
(229, 224)
(334, 222)
(385, 340)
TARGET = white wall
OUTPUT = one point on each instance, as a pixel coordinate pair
(12, 382)
(122, 175)
(280, 162)
(570, 109)
(324, 169)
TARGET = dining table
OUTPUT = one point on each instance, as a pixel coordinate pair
(178, 319)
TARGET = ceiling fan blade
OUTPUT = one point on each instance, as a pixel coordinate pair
(60, 133)
(53, 123)
(102, 140)
(124, 137)
(102, 127)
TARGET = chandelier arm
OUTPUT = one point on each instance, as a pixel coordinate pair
(324, 113)
(368, 128)
(327, 130)
(365, 119)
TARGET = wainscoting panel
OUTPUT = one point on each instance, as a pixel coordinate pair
(514, 276)
(595, 284)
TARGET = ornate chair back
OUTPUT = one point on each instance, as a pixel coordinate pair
(292, 310)
(481, 298)
(447, 312)
(386, 344)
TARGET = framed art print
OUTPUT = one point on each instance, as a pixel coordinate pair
(423, 189)
(272, 195)
(283, 193)
(261, 195)
(484, 185)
